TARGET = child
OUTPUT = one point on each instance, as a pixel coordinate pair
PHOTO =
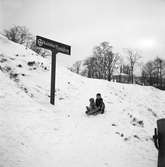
(92, 109)
(99, 103)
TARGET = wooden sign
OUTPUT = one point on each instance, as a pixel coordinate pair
(55, 47)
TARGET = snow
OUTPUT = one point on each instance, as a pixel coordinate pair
(37, 134)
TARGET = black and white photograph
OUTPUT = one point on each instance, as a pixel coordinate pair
(82, 83)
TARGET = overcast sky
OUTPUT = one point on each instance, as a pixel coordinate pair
(85, 23)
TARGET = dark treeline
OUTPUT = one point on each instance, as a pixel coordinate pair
(105, 64)
(153, 73)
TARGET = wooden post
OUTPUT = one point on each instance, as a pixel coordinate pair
(53, 77)
(55, 47)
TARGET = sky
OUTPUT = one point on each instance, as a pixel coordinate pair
(83, 24)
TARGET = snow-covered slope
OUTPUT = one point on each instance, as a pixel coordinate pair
(37, 134)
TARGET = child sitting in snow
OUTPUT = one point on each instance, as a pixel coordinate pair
(92, 109)
(100, 104)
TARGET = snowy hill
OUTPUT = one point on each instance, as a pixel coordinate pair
(37, 134)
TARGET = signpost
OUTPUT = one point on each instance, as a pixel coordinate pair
(55, 47)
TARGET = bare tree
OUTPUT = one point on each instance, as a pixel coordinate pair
(148, 71)
(133, 58)
(105, 60)
(123, 69)
(101, 64)
(91, 66)
(159, 70)
(21, 35)
(18, 34)
(153, 72)
(76, 67)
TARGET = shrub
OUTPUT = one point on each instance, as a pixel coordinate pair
(31, 63)
(18, 34)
